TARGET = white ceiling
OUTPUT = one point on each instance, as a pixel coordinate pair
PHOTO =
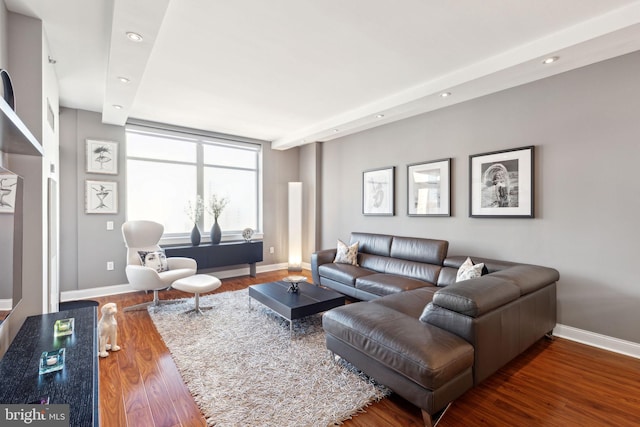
(297, 71)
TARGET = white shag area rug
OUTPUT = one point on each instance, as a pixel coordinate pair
(244, 368)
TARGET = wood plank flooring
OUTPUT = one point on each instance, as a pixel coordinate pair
(554, 383)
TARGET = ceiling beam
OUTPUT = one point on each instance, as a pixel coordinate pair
(127, 58)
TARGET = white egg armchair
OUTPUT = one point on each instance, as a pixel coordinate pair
(144, 236)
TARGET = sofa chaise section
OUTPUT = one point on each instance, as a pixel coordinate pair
(432, 343)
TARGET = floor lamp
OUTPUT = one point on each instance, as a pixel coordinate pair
(295, 226)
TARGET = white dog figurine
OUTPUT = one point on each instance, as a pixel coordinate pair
(108, 329)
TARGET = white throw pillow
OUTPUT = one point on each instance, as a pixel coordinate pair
(154, 259)
(469, 270)
(346, 254)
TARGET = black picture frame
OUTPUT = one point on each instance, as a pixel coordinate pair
(429, 188)
(378, 191)
(501, 184)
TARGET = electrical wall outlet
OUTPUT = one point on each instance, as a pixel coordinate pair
(109, 265)
(109, 225)
(271, 249)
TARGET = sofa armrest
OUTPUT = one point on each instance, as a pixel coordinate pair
(318, 258)
(477, 296)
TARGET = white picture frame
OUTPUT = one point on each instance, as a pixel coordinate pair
(102, 157)
(429, 188)
(8, 184)
(101, 197)
(378, 191)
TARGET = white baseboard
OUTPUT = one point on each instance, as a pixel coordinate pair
(604, 342)
(6, 304)
(126, 288)
(95, 292)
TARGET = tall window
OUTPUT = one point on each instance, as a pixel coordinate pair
(167, 170)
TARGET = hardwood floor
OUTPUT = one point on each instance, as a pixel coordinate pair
(554, 383)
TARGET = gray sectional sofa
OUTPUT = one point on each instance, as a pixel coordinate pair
(421, 333)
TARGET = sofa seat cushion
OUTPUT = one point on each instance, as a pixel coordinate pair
(343, 273)
(387, 284)
(411, 303)
(422, 353)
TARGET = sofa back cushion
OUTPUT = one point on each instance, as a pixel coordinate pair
(415, 270)
(447, 276)
(374, 244)
(429, 251)
(373, 262)
(403, 256)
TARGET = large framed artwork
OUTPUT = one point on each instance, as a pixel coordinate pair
(101, 197)
(501, 184)
(429, 188)
(102, 157)
(8, 183)
(378, 191)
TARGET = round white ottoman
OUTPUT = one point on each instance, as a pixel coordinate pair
(199, 283)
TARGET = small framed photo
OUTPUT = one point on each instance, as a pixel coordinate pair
(501, 184)
(101, 197)
(102, 157)
(429, 188)
(8, 188)
(378, 196)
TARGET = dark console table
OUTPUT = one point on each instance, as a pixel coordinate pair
(221, 255)
(76, 384)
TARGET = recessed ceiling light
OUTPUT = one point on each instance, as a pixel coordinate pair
(335, 131)
(379, 116)
(550, 59)
(117, 107)
(124, 79)
(445, 94)
(134, 36)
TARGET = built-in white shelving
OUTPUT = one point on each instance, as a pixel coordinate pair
(16, 138)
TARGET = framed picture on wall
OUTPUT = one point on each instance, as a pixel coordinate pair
(8, 183)
(429, 188)
(101, 197)
(378, 196)
(501, 184)
(102, 157)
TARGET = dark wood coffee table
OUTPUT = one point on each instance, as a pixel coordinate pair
(309, 299)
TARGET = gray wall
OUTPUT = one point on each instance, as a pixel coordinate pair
(585, 125)
(279, 168)
(86, 245)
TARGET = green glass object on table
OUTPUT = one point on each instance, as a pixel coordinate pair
(63, 327)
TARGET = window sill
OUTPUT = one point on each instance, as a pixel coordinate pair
(205, 239)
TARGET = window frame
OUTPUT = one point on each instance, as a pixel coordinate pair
(201, 139)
